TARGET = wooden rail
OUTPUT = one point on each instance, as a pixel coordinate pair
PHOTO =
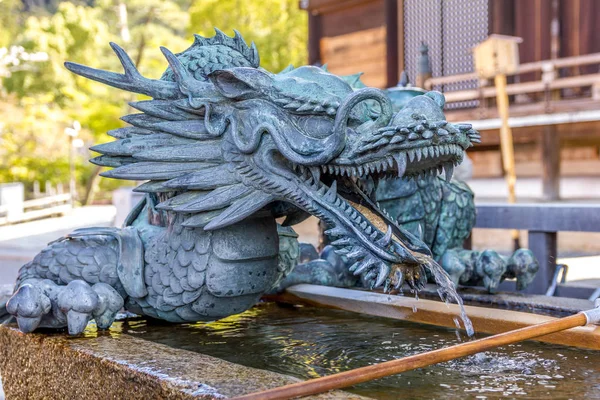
(543, 222)
(37, 208)
(549, 82)
(545, 66)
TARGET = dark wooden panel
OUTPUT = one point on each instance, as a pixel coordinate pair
(362, 51)
(502, 17)
(314, 38)
(391, 42)
(579, 31)
(539, 217)
(532, 23)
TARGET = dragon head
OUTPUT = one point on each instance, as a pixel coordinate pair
(224, 143)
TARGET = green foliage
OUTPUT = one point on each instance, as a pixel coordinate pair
(40, 101)
(278, 27)
(9, 20)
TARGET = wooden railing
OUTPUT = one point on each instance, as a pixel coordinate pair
(550, 80)
(38, 208)
(542, 222)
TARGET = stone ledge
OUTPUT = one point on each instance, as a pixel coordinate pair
(120, 366)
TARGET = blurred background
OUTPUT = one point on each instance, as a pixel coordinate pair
(49, 117)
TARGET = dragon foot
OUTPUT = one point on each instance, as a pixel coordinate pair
(488, 268)
(42, 303)
(413, 275)
(29, 304)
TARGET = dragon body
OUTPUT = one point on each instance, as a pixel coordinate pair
(225, 148)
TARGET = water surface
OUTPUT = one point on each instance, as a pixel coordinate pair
(309, 342)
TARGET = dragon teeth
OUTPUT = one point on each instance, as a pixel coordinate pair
(411, 155)
(331, 194)
(401, 163)
(418, 154)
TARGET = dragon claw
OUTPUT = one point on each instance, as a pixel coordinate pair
(109, 304)
(78, 301)
(28, 304)
(413, 275)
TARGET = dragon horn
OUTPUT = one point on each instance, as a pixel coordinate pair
(131, 80)
(187, 83)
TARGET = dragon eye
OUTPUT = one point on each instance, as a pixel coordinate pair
(315, 126)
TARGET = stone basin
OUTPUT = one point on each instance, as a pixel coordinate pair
(120, 366)
(271, 345)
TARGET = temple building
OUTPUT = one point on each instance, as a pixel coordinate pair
(554, 94)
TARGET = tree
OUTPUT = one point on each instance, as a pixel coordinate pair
(38, 103)
(278, 27)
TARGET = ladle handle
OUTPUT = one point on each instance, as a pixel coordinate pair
(371, 372)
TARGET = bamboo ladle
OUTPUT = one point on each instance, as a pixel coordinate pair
(365, 374)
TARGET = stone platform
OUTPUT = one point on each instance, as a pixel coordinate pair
(114, 365)
(120, 366)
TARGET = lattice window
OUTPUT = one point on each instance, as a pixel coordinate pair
(450, 28)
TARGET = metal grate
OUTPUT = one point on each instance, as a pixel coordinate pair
(422, 23)
(450, 28)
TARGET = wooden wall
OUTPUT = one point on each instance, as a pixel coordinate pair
(352, 38)
(577, 34)
(532, 20)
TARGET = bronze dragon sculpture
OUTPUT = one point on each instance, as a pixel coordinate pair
(225, 148)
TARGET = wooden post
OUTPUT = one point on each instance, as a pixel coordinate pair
(314, 38)
(391, 42)
(506, 144)
(544, 247)
(550, 152)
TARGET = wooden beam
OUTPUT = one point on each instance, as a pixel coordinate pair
(501, 17)
(524, 87)
(523, 68)
(391, 41)
(328, 6)
(314, 38)
(539, 217)
(401, 65)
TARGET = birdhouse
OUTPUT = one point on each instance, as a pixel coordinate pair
(498, 54)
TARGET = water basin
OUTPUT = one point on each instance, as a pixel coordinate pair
(309, 342)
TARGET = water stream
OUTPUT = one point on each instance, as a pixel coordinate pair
(447, 291)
